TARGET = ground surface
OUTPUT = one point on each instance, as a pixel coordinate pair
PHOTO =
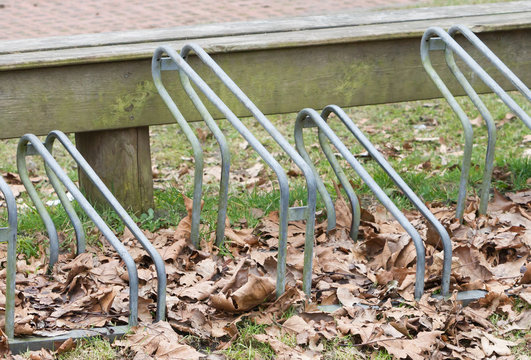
(213, 294)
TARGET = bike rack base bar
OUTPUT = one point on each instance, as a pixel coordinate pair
(32, 343)
(297, 213)
(4, 234)
(465, 296)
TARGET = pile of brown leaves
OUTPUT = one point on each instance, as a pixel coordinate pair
(360, 284)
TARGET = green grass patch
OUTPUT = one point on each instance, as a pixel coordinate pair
(91, 349)
(246, 346)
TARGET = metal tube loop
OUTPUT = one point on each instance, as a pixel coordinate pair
(9, 235)
(196, 146)
(415, 200)
(54, 167)
(122, 213)
(479, 45)
(491, 128)
(451, 47)
(22, 153)
(311, 115)
(311, 182)
(476, 68)
(186, 70)
(467, 126)
(225, 156)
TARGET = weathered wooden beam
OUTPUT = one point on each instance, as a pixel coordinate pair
(121, 94)
(259, 35)
(122, 160)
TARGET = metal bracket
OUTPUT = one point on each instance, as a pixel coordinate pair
(167, 64)
(30, 150)
(4, 234)
(436, 44)
(297, 213)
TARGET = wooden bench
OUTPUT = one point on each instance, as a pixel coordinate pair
(99, 86)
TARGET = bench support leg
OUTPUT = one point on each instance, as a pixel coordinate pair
(122, 159)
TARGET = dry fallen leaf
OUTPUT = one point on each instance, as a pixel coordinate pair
(254, 292)
(359, 283)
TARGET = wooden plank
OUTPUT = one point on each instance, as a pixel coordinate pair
(261, 26)
(229, 44)
(122, 159)
(121, 94)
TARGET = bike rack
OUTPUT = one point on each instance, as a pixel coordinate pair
(376, 155)
(28, 145)
(464, 296)
(435, 39)
(175, 61)
(310, 118)
(120, 211)
(9, 234)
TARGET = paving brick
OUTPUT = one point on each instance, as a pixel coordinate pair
(20, 19)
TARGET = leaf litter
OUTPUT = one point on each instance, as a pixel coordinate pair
(362, 289)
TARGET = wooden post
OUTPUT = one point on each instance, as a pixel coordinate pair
(122, 159)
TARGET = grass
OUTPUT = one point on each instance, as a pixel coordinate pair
(246, 346)
(433, 174)
(91, 349)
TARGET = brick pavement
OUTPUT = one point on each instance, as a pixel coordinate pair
(20, 19)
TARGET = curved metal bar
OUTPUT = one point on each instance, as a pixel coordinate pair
(225, 157)
(247, 135)
(53, 166)
(63, 199)
(418, 203)
(331, 212)
(325, 196)
(491, 129)
(9, 235)
(196, 146)
(122, 213)
(467, 127)
(451, 47)
(22, 152)
(353, 198)
(313, 116)
(475, 67)
(478, 44)
(311, 182)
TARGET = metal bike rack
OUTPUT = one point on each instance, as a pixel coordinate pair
(175, 61)
(120, 211)
(28, 145)
(376, 155)
(435, 39)
(9, 234)
(310, 118)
